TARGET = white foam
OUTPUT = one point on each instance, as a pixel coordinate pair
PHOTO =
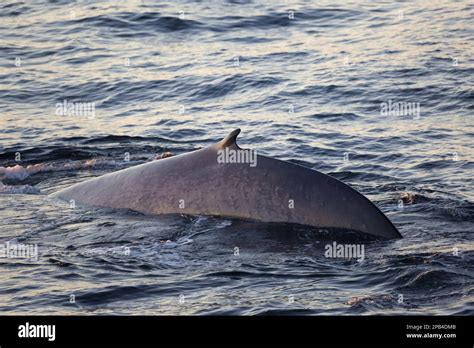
(18, 189)
(20, 173)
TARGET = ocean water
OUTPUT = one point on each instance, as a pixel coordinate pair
(378, 95)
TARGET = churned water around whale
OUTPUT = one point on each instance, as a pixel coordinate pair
(176, 77)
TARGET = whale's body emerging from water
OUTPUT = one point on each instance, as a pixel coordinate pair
(198, 183)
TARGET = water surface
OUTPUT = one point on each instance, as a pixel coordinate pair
(305, 81)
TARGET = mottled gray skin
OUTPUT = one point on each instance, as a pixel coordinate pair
(260, 193)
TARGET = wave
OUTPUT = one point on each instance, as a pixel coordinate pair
(20, 173)
(135, 23)
(334, 117)
(18, 189)
(9, 176)
(144, 24)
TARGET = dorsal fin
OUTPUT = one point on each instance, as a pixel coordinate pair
(230, 140)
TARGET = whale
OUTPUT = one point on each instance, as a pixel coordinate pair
(225, 180)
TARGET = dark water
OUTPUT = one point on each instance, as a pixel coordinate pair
(307, 90)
